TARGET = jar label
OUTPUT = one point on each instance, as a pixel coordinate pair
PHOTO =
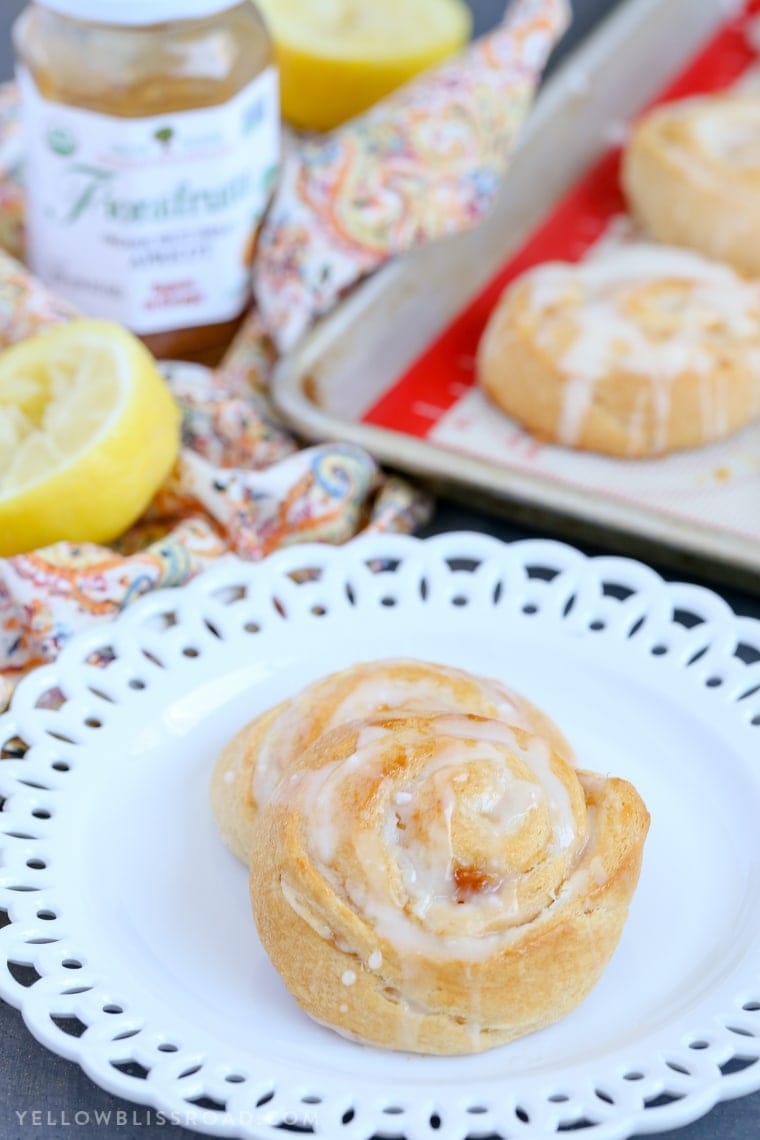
(150, 222)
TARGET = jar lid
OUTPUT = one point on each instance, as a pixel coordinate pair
(137, 12)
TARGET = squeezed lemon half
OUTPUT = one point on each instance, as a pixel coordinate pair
(88, 432)
(338, 57)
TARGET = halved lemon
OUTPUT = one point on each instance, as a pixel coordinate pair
(88, 432)
(338, 57)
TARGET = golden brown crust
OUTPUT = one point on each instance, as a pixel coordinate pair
(232, 801)
(357, 900)
(691, 173)
(643, 352)
(272, 740)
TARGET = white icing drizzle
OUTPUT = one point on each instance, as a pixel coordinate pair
(434, 691)
(538, 759)
(576, 401)
(620, 309)
(299, 906)
(273, 750)
(636, 424)
(596, 871)
(375, 690)
(405, 884)
(728, 129)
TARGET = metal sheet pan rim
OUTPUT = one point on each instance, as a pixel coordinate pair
(444, 465)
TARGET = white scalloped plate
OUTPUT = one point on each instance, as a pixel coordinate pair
(123, 900)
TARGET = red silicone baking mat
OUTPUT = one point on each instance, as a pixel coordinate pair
(436, 399)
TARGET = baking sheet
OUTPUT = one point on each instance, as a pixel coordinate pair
(393, 368)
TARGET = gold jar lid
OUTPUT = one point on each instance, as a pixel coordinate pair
(136, 13)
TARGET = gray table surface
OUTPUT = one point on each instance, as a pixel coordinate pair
(39, 1092)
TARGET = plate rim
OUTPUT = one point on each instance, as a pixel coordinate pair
(723, 627)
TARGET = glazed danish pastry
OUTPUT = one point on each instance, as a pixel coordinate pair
(638, 352)
(250, 766)
(691, 173)
(442, 883)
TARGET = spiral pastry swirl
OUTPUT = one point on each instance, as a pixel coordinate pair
(251, 765)
(638, 352)
(442, 883)
(691, 173)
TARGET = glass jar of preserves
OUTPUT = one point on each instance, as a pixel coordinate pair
(152, 144)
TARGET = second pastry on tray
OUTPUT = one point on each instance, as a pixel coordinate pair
(691, 173)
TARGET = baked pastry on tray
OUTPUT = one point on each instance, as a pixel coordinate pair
(638, 352)
(691, 173)
(438, 881)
